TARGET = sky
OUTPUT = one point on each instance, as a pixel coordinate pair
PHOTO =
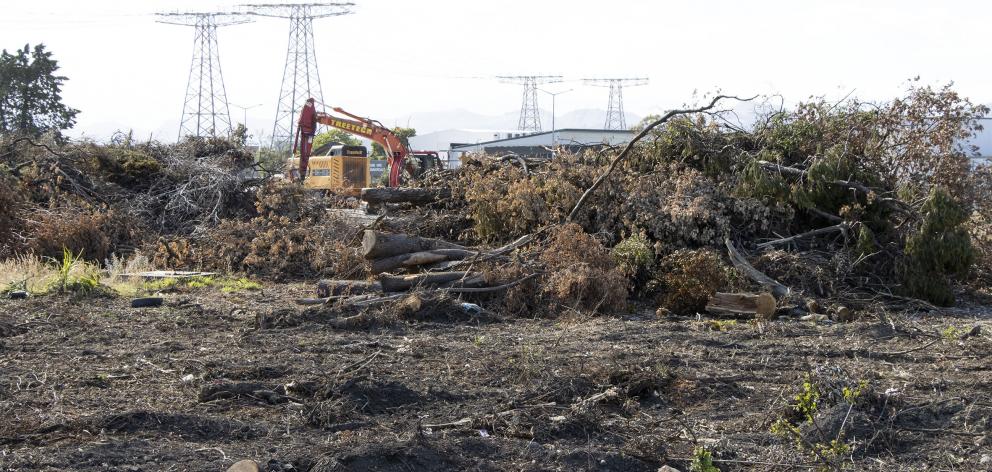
(396, 59)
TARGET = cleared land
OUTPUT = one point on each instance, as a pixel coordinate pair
(210, 378)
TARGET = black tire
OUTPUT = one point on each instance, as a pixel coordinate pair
(146, 302)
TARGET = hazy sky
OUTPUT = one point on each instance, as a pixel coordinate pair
(393, 59)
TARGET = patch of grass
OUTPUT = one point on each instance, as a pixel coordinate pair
(239, 285)
(199, 282)
(158, 285)
(29, 273)
(226, 285)
(40, 276)
(721, 325)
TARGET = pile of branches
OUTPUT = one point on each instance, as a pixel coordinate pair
(832, 198)
(102, 199)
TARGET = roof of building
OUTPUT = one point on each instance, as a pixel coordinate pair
(581, 130)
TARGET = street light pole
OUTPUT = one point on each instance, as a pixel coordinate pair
(245, 110)
(554, 130)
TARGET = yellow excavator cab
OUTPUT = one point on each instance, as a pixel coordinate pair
(341, 174)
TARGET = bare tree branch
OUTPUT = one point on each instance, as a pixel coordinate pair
(630, 146)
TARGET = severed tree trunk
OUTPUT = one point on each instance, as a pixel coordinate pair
(414, 259)
(761, 305)
(736, 258)
(379, 245)
(333, 288)
(402, 283)
(416, 196)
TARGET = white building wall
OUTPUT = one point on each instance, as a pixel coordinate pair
(565, 136)
(441, 140)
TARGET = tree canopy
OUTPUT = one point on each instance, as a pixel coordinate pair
(335, 135)
(403, 133)
(30, 94)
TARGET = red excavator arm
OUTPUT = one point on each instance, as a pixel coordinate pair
(396, 151)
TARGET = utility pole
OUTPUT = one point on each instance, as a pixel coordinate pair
(554, 130)
(205, 110)
(300, 77)
(614, 112)
(530, 114)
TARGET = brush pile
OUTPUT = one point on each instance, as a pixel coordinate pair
(848, 203)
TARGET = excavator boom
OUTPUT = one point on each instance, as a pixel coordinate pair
(396, 151)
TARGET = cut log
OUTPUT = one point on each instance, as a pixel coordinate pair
(416, 196)
(414, 259)
(402, 283)
(761, 305)
(379, 245)
(330, 288)
(736, 258)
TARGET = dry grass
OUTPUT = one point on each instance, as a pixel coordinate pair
(29, 273)
(117, 267)
(40, 275)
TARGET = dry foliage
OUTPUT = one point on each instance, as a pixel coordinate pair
(11, 202)
(581, 272)
(290, 237)
(578, 274)
(686, 278)
(684, 208)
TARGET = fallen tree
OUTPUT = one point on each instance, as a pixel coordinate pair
(415, 196)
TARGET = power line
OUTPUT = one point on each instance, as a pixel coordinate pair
(205, 109)
(615, 118)
(300, 78)
(530, 114)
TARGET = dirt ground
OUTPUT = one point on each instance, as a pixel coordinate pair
(211, 378)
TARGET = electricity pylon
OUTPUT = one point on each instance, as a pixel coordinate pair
(300, 77)
(614, 112)
(205, 110)
(530, 114)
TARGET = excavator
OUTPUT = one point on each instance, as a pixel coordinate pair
(347, 169)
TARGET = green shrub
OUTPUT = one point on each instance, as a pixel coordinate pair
(634, 256)
(938, 251)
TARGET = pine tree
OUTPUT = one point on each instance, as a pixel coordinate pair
(30, 94)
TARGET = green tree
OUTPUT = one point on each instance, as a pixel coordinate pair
(30, 94)
(337, 136)
(403, 133)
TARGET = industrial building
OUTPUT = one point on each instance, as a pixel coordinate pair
(541, 144)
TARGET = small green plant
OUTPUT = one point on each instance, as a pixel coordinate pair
(830, 453)
(853, 394)
(951, 333)
(834, 451)
(702, 461)
(478, 340)
(806, 399)
(74, 275)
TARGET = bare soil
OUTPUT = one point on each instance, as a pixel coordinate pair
(211, 378)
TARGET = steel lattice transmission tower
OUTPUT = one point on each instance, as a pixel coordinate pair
(300, 77)
(614, 112)
(205, 109)
(530, 114)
